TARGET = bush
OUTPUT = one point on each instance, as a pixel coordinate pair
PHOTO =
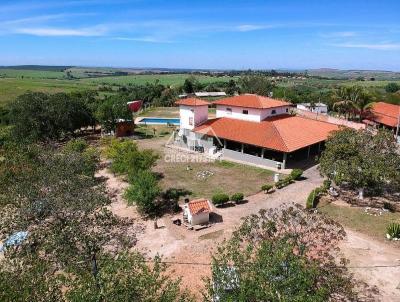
(327, 184)
(393, 230)
(284, 182)
(280, 184)
(76, 145)
(220, 199)
(313, 198)
(389, 206)
(237, 197)
(267, 187)
(287, 180)
(296, 174)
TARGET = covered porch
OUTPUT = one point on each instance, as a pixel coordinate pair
(265, 157)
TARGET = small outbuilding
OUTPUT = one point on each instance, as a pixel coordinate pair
(197, 211)
(124, 128)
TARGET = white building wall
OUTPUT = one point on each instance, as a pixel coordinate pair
(200, 218)
(321, 109)
(254, 114)
(278, 111)
(192, 116)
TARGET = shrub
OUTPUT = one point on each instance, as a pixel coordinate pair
(296, 174)
(237, 197)
(280, 184)
(393, 230)
(267, 187)
(327, 184)
(76, 145)
(287, 180)
(284, 182)
(313, 198)
(389, 206)
(220, 199)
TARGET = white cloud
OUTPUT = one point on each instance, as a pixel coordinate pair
(143, 39)
(340, 34)
(251, 27)
(54, 32)
(377, 46)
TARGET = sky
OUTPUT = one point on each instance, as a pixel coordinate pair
(212, 34)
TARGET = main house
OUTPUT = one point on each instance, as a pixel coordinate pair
(250, 129)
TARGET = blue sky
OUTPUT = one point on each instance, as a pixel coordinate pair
(291, 34)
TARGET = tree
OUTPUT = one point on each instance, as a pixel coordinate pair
(128, 159)
(283, 254)
(143, 192)
(38, 116)
(231, 88)
(257, 84)
(191, 84)
(392, 87)
(364, 102)
(127, 278)
(346, 97)
(112, 109)
(361, 160)
(50, 195)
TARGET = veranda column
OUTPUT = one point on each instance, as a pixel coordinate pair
(284, 160)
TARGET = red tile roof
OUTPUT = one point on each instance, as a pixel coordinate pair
(283, 133)
(199, 206)
(384, 113)
(192, 102)
(252, 101)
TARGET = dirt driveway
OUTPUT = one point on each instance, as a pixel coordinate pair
(177, 244)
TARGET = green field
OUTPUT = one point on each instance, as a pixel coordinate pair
(10, 88)
(31, 74)
(165, 79)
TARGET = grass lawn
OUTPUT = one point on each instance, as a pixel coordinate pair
(169, 112)
(356, 219)
(225, 177)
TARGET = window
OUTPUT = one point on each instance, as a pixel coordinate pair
(287, 109)
(190, 121)
(245, 111)
(229, 110)
(273, 111)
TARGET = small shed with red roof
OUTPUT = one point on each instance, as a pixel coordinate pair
(197, 211)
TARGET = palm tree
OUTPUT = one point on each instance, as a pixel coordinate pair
(346, 97)
(363, 104)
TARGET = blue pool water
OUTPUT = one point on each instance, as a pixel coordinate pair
(159, 121)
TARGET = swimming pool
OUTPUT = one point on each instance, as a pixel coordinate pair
(159, 121)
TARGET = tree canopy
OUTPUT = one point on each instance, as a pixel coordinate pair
(256, 83)
(40, 116)
(362, 160)
(282, 255)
